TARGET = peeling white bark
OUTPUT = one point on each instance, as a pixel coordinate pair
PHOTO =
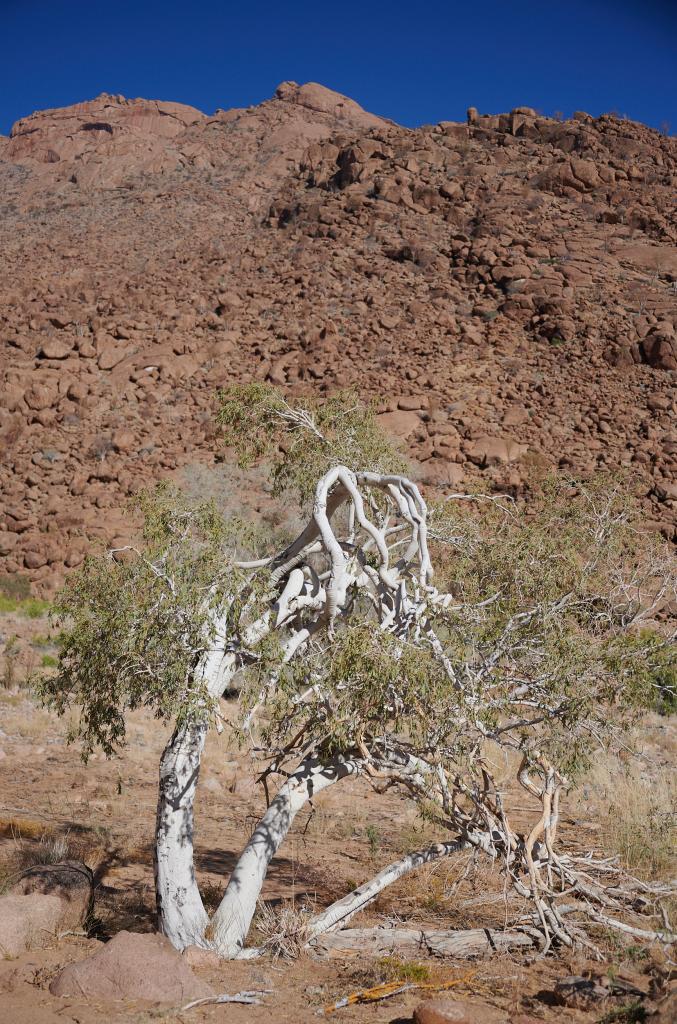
(181, 914)
(180, 911)
(230, 924)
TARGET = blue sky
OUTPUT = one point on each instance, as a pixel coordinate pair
(417, 62)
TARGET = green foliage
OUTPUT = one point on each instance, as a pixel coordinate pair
(48, 661)
(367, 681)
(305, 439)
(537, 603)
(392, 968)
(631, 1013)
(647, 664)
(134, 629)
(15, 597)
(550, 575)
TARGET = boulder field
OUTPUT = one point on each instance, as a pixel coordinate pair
(504, 288)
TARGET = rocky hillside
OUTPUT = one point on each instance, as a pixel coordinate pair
(505, 288)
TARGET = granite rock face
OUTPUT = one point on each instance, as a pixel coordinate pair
(505, 288)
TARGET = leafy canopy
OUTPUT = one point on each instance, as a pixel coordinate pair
(302, 440)
(540, 600)
(137, 621)
(539, 610)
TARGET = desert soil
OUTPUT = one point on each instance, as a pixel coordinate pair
(105, 812)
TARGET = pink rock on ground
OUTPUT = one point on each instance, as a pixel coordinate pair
(29, 922)
(133, 966)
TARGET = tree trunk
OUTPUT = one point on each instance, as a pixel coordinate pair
(339, 913)
(230, 924)
(181, 914)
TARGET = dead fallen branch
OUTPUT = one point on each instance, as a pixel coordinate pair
(379, 942)
(395, 988)
(250, 998)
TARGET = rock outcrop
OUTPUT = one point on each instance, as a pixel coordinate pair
(505, 288)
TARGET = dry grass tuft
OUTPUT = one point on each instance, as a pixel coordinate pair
(282, 930)
(22, 828)
(50, 849)
(24, 852)
(637, 811)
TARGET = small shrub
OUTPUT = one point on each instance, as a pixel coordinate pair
(34, 608)
(42, 640)
(25, 852)
(373, 838)
(392, 968)
(284, 930)
(631, 1013)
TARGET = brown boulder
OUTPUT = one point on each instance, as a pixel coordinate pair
(317, 97)
(440, 473)
(493, 451)
(8, 542)
(55, 348)
(412, 403)
(39, 397)
(71, 882)
(77, 391)
(110, 355)
(133, 966)
(659, 348)
(457, 1011)
(586, 172)
(123, 440)
(666, 490)
(34, 559)
(29, 922)
(400, 424)
(196, 956)
(515, 415)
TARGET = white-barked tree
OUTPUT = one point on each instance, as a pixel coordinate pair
(349, 655)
